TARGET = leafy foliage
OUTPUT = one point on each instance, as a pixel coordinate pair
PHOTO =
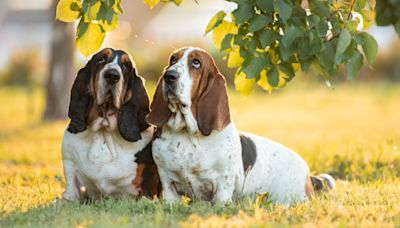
(96, 18)
(388, 12)
(273, 39)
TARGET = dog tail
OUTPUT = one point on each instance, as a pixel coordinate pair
(322, 182)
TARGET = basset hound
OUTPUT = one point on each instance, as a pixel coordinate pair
(200, 154)
(106, 149)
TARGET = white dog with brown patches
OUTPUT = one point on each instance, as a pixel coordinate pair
(200, 154)
(106, 148)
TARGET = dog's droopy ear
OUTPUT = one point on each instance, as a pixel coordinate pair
(134, 110)
(81, 100)
(213, 106)
(160, 113)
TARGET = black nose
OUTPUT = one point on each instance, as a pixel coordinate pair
(171, 76)
(112, 77)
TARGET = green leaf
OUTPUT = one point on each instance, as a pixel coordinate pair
(109, 3)
(226, 42)
(253, 65)
(352, 26)
(267, 37)
(107, 18)
(89, 38)
(266, 5)
(306, 63)
(258, 22)
(253, 43)
(291, 32)
(343, 43)
(68, 10)
(316, 46)
(118, 8)
(273, 76)
(287, 52)
(243, 13)
(235, 60)
(243, 85)
(283, 8)
(346, 55)
(384, 14)
(151, 3)
(359, 5)
(360, 38)
(354, 65)
(327, 56)
(370, 48)
(322, 28)
(90, 9)
(304, 47)
(366, 15)
(221, 31)
(215, 21)
(287, 69)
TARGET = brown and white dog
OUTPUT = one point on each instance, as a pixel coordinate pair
(107, 145)
(200, 154)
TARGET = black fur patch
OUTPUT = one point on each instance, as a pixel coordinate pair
(151, 183)
(81, 100)
(132, 112)
(249, 151)
(317, 183)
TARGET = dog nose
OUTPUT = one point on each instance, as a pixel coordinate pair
(112, 77)
(171, 76)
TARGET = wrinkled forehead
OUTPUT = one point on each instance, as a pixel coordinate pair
(188, 54)
(112, 55)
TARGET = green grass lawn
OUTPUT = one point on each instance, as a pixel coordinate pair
(352, 133)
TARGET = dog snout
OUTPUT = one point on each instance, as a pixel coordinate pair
(112, 76)
(171, 76)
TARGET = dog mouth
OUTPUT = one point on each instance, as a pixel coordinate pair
(108, 106)
(174, 100)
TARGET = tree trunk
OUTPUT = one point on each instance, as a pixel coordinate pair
(61, 72)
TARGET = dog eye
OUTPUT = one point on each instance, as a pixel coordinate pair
(102, 60)
(173, 60)
(125, 66)
(196, 64)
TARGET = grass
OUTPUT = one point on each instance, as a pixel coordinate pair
(352, 133)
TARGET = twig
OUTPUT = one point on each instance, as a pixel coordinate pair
(351, 9)
(332, 38)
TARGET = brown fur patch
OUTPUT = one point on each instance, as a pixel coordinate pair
(107, 52)
(125, 58)
(309, 187)
(137, 182)
(208, 87)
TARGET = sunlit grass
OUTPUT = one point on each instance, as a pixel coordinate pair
(352, 132)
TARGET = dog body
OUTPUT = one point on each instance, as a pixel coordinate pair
(107, 146)
(199, 152)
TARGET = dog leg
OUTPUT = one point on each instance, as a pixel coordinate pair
(72, 191)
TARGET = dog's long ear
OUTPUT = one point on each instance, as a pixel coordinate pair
(212, 110)
(81, 100)
(134, 109)
(160, 113)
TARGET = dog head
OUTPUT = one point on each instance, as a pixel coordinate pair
(108, 93)
(192, 83)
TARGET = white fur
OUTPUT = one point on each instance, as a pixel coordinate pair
(102, 161)
(104, 87)
(210, 167)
